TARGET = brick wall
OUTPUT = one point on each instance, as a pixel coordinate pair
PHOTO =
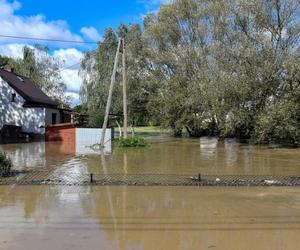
(61, 132)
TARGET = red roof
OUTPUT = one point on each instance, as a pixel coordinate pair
(32, 94)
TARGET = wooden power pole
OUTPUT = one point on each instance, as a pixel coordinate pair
(124, 88)
(112, 83)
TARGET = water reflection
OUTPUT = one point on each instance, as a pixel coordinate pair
(165, 155)
(152, 218)
(148, 218)
(26, 155)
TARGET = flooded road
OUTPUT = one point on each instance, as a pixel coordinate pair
(34, 218)
(165, 155)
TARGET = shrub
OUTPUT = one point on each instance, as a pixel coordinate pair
(5, 165)
(280, 123)
(132, 142)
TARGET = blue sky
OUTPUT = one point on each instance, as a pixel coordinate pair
(68, 20)
(97, 13)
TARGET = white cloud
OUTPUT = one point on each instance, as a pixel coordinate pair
(91, 33)
(38, 26)
(33, 26)
(13, 50)
(75, 98)
(69, 57)
(8, 9)
(153, 4)
(71, 79)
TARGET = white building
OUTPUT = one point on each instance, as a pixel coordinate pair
(24, 104)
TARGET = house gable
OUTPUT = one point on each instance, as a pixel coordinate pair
(30, 92)
(13, 112)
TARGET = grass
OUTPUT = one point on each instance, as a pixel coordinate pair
(147, 130)
(132, 142)
(150, 130)
(5, 165)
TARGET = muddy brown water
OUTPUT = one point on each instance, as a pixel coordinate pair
(165, 155)
(43, 217)
(142, 218)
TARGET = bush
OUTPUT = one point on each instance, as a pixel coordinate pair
(280, 124)
(5, 165)
(132, 142)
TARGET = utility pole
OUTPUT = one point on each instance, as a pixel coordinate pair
(124, 88)
(113, 79)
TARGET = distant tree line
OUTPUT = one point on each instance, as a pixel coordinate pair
(229, 68)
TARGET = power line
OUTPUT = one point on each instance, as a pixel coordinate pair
(47, 39)
(71, 66)
(78, 63)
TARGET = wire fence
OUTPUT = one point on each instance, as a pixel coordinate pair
(48, 177)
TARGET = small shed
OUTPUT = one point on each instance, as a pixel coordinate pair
(82, 139)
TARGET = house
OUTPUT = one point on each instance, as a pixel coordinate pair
(23, 104)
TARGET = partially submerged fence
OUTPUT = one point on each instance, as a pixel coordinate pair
(48, 177)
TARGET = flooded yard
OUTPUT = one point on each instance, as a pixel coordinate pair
(165, 155)
(141, 218)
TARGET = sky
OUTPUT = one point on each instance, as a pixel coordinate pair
(67, 20)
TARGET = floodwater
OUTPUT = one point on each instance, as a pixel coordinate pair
(135, 218)
(164, 156)
(159, 218)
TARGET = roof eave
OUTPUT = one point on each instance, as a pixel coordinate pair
(39, 105)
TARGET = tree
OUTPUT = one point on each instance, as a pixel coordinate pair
(208, 67)
(219, 64)
(4, 61)
(96, 70)
(43, 70)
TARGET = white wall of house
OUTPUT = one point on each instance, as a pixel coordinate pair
(13, 113)
(49, 113)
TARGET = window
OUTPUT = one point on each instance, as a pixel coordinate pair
(13, 97)
(20, 78)
(53, 118)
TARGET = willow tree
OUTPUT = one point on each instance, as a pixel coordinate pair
(96, 70)
(180, 47)
(210, 67)
(219, 65)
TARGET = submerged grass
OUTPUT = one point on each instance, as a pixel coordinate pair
(5, 165)
(132, 142)
(151, 129)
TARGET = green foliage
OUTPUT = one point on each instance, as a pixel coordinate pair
(280, 123)
(79, 109)
(99, 121)
(96, 70)
(42, 69)
(223, 80)
(227, 68)
(4, 61)
(132, 142)
(5, 165)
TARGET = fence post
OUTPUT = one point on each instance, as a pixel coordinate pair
(199, 177)
(92, 178)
